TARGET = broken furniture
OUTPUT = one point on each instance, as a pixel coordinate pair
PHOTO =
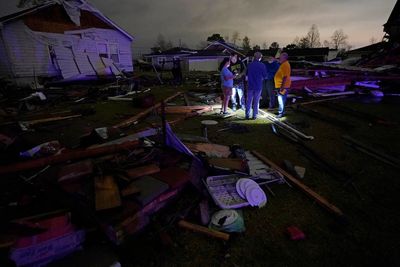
(205, 124)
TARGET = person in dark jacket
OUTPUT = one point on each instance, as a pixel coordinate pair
(239, 70)
(256, 73)
(272, 66)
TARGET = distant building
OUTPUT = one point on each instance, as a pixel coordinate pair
(211, 56)
(164, 59)
(392, 26)
(62, 40)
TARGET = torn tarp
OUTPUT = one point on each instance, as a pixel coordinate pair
(174, 142)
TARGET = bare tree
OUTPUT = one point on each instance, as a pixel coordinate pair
(327, 43)
(161, 43)
(246, 44)
(339, 39)
(169, 45)
(304, 42)
(296, 41)
(235, 37)
(274, 45)
(313, 37)
(264, 45)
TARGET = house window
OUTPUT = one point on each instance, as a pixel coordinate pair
(103, 50)
(108, 51)
(161, 60)
(114, 55)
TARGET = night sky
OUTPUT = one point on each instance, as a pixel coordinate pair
(261, 20)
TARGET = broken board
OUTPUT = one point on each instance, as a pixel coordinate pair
(107, 193)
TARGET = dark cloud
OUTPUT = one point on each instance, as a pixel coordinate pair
(261, 20)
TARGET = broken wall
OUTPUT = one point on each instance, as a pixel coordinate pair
(44, 54)
(27, 57)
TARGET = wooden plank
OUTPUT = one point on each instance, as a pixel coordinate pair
(70, 155)
(137, 117)
(107, 193)
(319, 199)
(228, 163)
(142, 171)
(38, 121)
(130, 190)
(210, 149)
(204, 230)
(187, 109)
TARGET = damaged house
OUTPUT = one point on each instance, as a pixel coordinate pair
(65, 40)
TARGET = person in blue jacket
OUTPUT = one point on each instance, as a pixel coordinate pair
(226, 83)
(272, 66)
(256, 73)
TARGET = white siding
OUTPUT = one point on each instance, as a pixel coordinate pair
(5, 70)
(91, 37)
(29, 57)
(203, 64)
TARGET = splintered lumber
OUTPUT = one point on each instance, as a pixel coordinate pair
(38, 121)
(142, 171)
(137, 117)
(211, 150)
(66, 156)
(107, 193)
(319, 199)
(204, 230)
(187, 109)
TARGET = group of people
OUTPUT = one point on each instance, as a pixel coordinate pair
(267, 80)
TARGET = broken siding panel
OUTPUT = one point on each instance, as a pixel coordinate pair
(66, 62)
(115, 37)
(28, 56)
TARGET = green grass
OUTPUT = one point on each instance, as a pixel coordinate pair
(371, 237)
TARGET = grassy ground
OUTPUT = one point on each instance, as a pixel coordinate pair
(370, 238)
